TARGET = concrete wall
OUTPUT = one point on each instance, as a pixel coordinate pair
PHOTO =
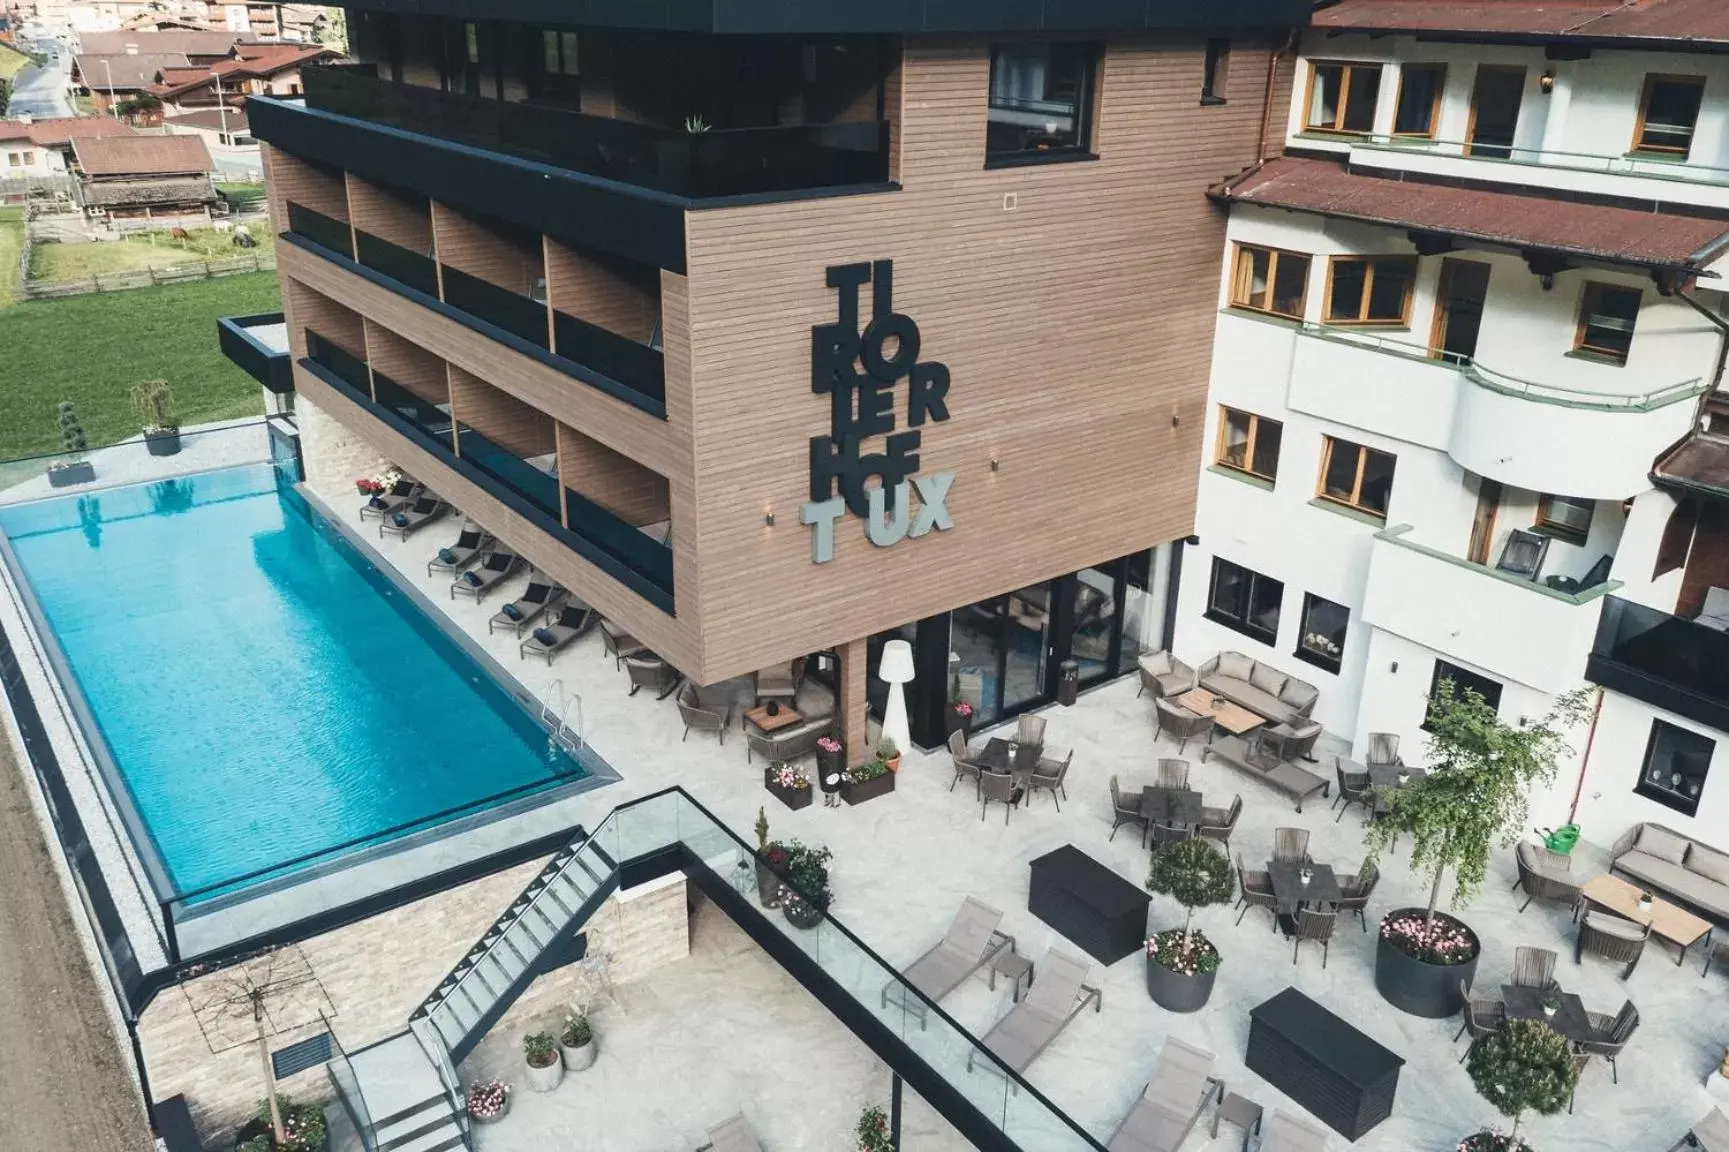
(334, 456)
(1608, 805)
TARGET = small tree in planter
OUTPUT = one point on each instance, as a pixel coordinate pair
(1181, 964)
(1474, 797)
(152, 399)
(1523, 1066)
(772, 859)
(75, 469)
(252, 994)
(873, 1131)
(806, 896)
(304, 1128)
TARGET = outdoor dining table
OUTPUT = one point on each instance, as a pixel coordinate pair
(1384, 778)
(1288, 886)
(995, 756)
(1170, 812)
(1570, 1019)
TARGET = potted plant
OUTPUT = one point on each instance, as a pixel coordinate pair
(788, 784)
(1645, 901)
(1181, 963)
(873, 1131)
(576, 1041)
(889, 753)
(1523, 1066)
(75, 469)
(959, 715)
(805, 896)
(151, 400)
(867, 781)
(488, 1101)
(1473, 798)
(771, 863)
(304, 1129)
(1550, 1002)
(545, 1068)
(367, 486)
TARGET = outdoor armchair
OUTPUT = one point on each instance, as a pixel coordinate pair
(1182, 1085)
(1284, 742)
(1545, 875)
(972, 942)
(1126, 810)
(780, 682)
(704, 714)
(618, 643)
(1611, 937)
(1164, 675)
(1610, 1035)
(1057, 998)
(1180, 724)
(649, 671)
(1218, 823)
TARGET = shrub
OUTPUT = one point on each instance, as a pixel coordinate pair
(1523, 1066)
(541, 1049)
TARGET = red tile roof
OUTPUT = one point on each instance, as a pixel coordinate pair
(1486, 215)
(1665, 20)
(61, 130)
(211, 119)
(142, 156)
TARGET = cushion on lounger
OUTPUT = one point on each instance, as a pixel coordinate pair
(546, 637)
(378, 502)
(447, 556)
(472, 579)
(511, 612)
(400, 519)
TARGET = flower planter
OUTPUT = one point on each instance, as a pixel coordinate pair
(544, 1079)
(801, 913)
(794, 798)
(1176, 992)
(767, 886)
(1486, 1141)
(257, 1128)
(829, 764)
(868, 789)
(165, 442)
(1422, 987)
(495, 1117)
(578, 1057)
(66, 475)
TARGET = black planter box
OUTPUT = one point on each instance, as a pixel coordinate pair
(868, 790)
(66, 475)
(1418, 987)
(1090, 904)
(162, 443)
(794, 798)
(1345, 1080)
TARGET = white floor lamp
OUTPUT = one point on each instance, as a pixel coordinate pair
(896, 670)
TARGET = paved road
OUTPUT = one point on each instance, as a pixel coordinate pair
(41, 92)
(64, 1081)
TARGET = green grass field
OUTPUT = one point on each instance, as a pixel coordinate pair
(91, 350)
(12, 62)
(11, 242)
(64, 263)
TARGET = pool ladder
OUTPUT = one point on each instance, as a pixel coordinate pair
(557, 719)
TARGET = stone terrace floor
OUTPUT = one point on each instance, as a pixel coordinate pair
(904, 862)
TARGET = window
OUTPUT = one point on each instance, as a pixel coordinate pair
(1040, 100)
(560, 50)
(1321, 640)
(1342, 97)
(1668, 112)
(1464, 681)
(1370, 290)
(1607, 314)
(1358, 476)
(29, 159)
(1564, 517)
(1676, 761)
(1419, 107)
(1249, 443)
(471, 39)
(1245, 601)
(1217, 70)
(12, 159)
(1269, 280)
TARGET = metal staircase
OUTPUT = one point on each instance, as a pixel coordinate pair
(397, 1095)
(531, 937)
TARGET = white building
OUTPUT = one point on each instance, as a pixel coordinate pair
(1462, 318)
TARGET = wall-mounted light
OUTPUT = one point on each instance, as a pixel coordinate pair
(995, 466)
(1547, 280)
(1547, 81)
(768, 518)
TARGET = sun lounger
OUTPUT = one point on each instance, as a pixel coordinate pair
(1177, 1094)
(470, 544)
(733, 1136)
(405, 522)
(1286, 1133)
(574, 619)
(536, 600)
(1055, 999)
(971, 943)
(493, 570)
(402, 494)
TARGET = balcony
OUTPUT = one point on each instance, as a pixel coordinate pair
(1511, 627)
(1542, 437)
(258, 346)
(1626, 174)
(1678, 665)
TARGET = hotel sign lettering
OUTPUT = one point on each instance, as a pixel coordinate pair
(859, 370)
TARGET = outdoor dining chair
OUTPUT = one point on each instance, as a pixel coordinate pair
(1478, 1017)
(1049, 777)
(1610, 1034)
(1354, 788)
(1030, 731)
(965, 765)
(1218, 823)
(1383, 750)
(1357, 890)
(1533, 967)
(998, 788)
(1315, 925)
(1126, 810)
(1291, 844)
(1255, 890)
(1173, 773)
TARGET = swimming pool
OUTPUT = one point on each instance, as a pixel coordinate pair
(268, 697)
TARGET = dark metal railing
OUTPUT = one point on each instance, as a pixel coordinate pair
(631, 363)
(412, 268)
(517, 314)
(274, 370)
(535, 485)
(620, 538)
(325, 231)
(1662, 659)
(322, 350)
(429, 419)
(698, 165)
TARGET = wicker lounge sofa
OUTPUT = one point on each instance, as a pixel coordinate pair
(1261, 688)
(1677, 866)
(971, 942)
(1181, 1086)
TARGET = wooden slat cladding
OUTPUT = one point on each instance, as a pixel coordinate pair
(621, 486)
(411, 366)
(602, 290)
(672, 637)
(854, 701)
(618, 425)
(389, 215)
(1073, 304)
(305, 308)
(470, 246)
(501, 417)
(291, 178)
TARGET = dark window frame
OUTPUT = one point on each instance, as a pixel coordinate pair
(1091, 59)
(1591, 301)
(1463, 680)
(1215, 72)
(1557, 529)
(1673, 795)
(1241, 619)
(1309, 655)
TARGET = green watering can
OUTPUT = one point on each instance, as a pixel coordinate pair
(1561, 839)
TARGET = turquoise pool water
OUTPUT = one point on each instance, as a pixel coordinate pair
(267, 696)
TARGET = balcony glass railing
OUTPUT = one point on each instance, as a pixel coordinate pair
(1622, 164)
(428, 418)
(325, 231)
(534, 484)
(345, 365)
(412, 268)
(621, 539)
(699, 165)
(635, 365)
(517, 314)
(1664, 660)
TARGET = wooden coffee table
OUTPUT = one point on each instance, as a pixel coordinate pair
(1233, 718)
(765, 723)
(1676, 925)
